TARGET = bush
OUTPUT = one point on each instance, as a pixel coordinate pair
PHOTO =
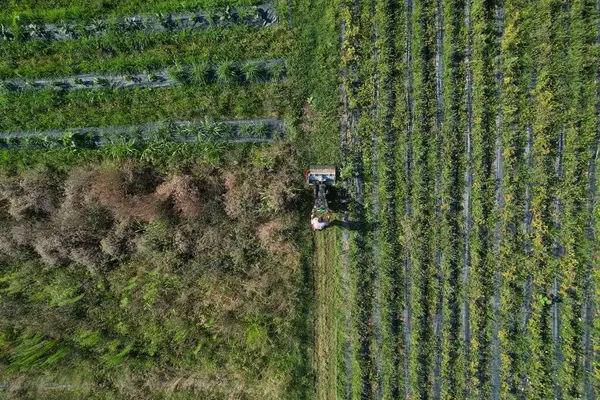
(276, 71)
(37, 193)
(253, 71)
(181, 75)
(202, 74)
(227, 73)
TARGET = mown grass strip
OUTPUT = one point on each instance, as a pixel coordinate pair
(128, 54)
(53, 110)
(55, 11)
(326, 285)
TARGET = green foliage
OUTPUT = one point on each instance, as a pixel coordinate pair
(227, 72)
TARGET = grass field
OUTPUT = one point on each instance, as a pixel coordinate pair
(463, 261)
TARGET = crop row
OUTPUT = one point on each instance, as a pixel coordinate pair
(387, 197)
(364, 378)
(178, 131)
(453, 164)
(202, 74)
(517, 71)
(26, 29)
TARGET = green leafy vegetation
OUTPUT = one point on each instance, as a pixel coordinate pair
(177, 262)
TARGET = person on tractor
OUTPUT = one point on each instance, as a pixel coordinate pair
(318, 221)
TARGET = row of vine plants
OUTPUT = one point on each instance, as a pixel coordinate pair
(472, 168)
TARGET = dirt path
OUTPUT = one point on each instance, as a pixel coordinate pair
(466, 276)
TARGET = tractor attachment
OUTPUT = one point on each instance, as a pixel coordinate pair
(321, 176)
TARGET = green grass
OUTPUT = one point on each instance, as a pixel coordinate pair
(127, 54)
(52, 110)
(59, 10)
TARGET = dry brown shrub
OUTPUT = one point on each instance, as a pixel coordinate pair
(7, 244)
(242, 199)
(230, 181)
(23, 234)
(308, 117)
(120, 241)
(91, 257)
(183, 193)
(114, 190)
(280, 194)
(36, 193)
(50, 248)
(275, 237)
(78, 187)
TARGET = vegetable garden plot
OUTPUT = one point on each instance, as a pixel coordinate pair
(240, 131)
(25, 30)
(255, 71)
